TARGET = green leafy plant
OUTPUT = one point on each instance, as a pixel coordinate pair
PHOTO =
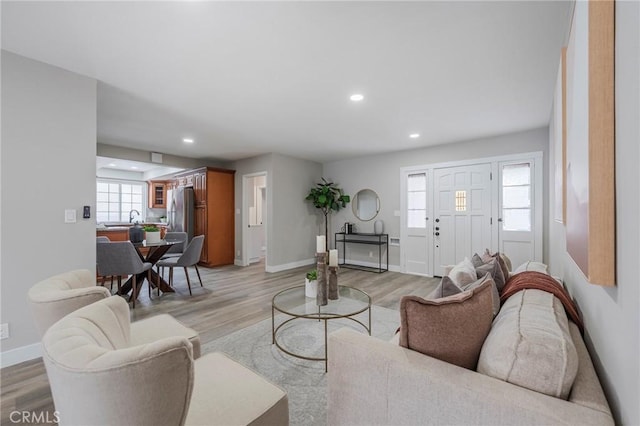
(327, 197)
(312, 275)
(151, 228)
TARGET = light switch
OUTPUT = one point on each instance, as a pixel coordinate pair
(396, 213)
(70, 216)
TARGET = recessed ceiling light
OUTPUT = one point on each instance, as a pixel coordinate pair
(414, 135)
(356, 97)
(187, 140)
(134, 167)
(112, 164)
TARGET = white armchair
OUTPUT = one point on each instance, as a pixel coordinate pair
(99, 377)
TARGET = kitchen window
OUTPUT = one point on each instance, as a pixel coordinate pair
(116, 199)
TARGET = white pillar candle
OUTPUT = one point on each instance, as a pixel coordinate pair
(321, 246)
(333, 257)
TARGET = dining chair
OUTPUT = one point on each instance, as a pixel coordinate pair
(120, 258)
(100, 376)
(104, 239)
(177, 249)
(190, 257)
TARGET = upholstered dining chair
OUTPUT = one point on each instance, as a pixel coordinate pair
(98, 376)
(120, 258)
(180, 240)
(190, 257)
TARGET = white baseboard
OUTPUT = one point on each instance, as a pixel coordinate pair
(238, 262)
(21, 354)
(292, 265)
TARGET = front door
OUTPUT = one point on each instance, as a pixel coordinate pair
(462, 213)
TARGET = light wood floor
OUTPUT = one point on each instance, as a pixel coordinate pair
(232, 298)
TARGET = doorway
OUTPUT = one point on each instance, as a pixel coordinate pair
(254, 218)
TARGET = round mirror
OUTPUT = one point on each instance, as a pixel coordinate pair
(366, 204)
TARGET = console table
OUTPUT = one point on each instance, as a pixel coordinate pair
(381, 241)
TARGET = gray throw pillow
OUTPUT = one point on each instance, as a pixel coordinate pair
(477, 260)
(493, 268)
(446, 288)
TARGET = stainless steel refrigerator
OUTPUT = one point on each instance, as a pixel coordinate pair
(180, 210)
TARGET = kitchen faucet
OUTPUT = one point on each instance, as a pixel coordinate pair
(131, 215)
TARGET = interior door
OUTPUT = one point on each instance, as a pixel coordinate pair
(416, 251)
(462, 213)
(518, 220)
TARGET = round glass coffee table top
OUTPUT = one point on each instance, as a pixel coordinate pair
(293, 302)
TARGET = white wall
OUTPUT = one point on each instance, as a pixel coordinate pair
(381, 173)
(48, 165)
(612, 315)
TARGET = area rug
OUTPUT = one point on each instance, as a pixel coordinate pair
(305, 381)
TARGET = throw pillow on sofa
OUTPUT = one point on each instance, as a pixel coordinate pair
(493, 268)
(502, 260)
(463, 273)
(451, 329)
(531, 266)
(530, 345)
(448, 288)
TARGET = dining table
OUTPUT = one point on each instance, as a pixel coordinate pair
(150, 253)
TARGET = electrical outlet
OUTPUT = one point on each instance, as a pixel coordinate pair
(4, 331)
(370, 254)
(238, 253)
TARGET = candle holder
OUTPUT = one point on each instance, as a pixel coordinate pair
(333, 283)
(321, 297)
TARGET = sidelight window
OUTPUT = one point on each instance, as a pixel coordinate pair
(516, 197)
(417, 200)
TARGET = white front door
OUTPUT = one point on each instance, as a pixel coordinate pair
(462, 213)
(416, 251)
(520, 224)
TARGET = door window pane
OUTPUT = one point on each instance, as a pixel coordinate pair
(417, 200)
(517, 220)
(416, 219)
(516, 174)
(516, 197)
(461, 201)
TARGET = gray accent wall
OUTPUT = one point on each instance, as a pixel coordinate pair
(612, 315)
(381, 173)
(48, 165)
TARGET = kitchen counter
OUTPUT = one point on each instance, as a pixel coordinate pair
(120, 232)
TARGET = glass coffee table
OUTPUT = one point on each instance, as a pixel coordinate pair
(293, 302)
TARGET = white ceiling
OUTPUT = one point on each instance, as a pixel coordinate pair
(246, 78)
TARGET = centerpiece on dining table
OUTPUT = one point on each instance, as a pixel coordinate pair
(151, 234)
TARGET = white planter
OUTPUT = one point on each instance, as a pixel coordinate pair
(310, 288)
(152, 237)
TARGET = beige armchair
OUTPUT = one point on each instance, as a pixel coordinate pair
(98, 376)
(58, 296)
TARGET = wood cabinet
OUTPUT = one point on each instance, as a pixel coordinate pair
(114, 234)
(157, 194)
(214, 213)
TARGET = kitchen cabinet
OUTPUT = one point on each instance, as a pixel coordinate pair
(114, 234)
(214, 212)
(157, 194)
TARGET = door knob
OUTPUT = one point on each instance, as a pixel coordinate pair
(437, 220)
(437, 233)
(437, 228)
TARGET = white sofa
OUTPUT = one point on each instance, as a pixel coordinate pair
(374, 382)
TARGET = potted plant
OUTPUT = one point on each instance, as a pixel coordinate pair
(327, 197)
(151, 234)
(311, 283)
